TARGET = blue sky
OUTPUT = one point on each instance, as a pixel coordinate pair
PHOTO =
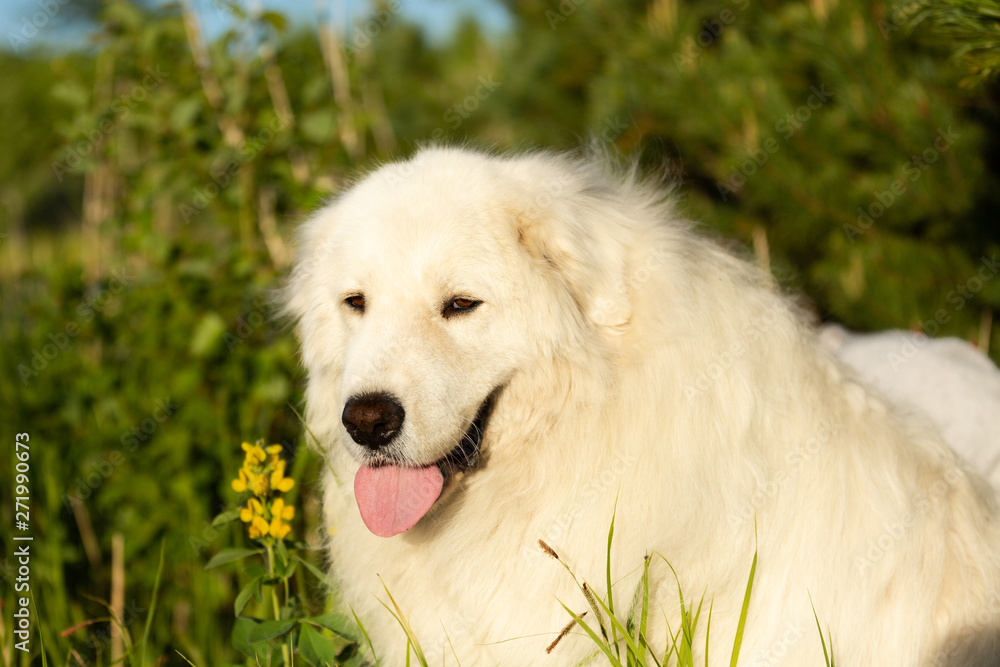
(437, 17)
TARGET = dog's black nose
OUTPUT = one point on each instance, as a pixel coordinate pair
(373, 420)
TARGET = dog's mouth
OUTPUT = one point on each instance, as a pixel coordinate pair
(465, 455)
(392, 498)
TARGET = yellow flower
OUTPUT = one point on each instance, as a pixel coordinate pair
(259, 485)
(263, 476)
(259, 527)
(240, 483)
(278, 479)
(279, 529)
(279, 509)
(255, 453)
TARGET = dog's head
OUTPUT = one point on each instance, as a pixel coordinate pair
(425, 288)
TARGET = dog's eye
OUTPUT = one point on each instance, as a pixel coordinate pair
(459, 304)
(356, 302)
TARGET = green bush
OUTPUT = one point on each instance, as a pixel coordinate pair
(147, 206)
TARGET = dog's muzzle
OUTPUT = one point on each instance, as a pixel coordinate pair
(392, 498)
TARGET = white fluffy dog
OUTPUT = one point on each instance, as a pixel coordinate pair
(500, 349)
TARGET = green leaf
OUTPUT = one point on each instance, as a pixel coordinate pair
(256, 570)
(322, 576)
(270, 629)
(318, 126)
(230, 555)
(184, 112)
(207, 334)
(234, 7)
(281, 555)
(339, 624)
(223, 518)
(277, 20)
(243, 599)
(316, 649)
(241, 635)
(70, 93)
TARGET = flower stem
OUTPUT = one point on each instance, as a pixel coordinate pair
(286, 651)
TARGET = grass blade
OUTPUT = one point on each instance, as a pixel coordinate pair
(827, 657)
(364, 633)
(152, 605)
(41, 641)
(617, 625)
(588, 593)
(452, 646)
(411, 639)
(644, 614)
(708, 629)
(612, 658)
(611, 599)
(743, 613)
(184, 657)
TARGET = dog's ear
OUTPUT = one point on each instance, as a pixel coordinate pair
(306, 297)
(312, 242)
(586, 248)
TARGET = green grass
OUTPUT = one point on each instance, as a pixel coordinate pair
(626, 644)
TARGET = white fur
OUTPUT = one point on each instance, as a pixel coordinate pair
(642, 362)
(944, 380)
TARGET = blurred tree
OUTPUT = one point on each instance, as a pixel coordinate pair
(970, 27)
(148, 185)
(848, 144)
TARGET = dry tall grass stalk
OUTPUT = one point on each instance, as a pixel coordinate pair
(117, 596)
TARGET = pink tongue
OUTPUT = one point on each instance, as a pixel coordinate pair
(393, 498)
